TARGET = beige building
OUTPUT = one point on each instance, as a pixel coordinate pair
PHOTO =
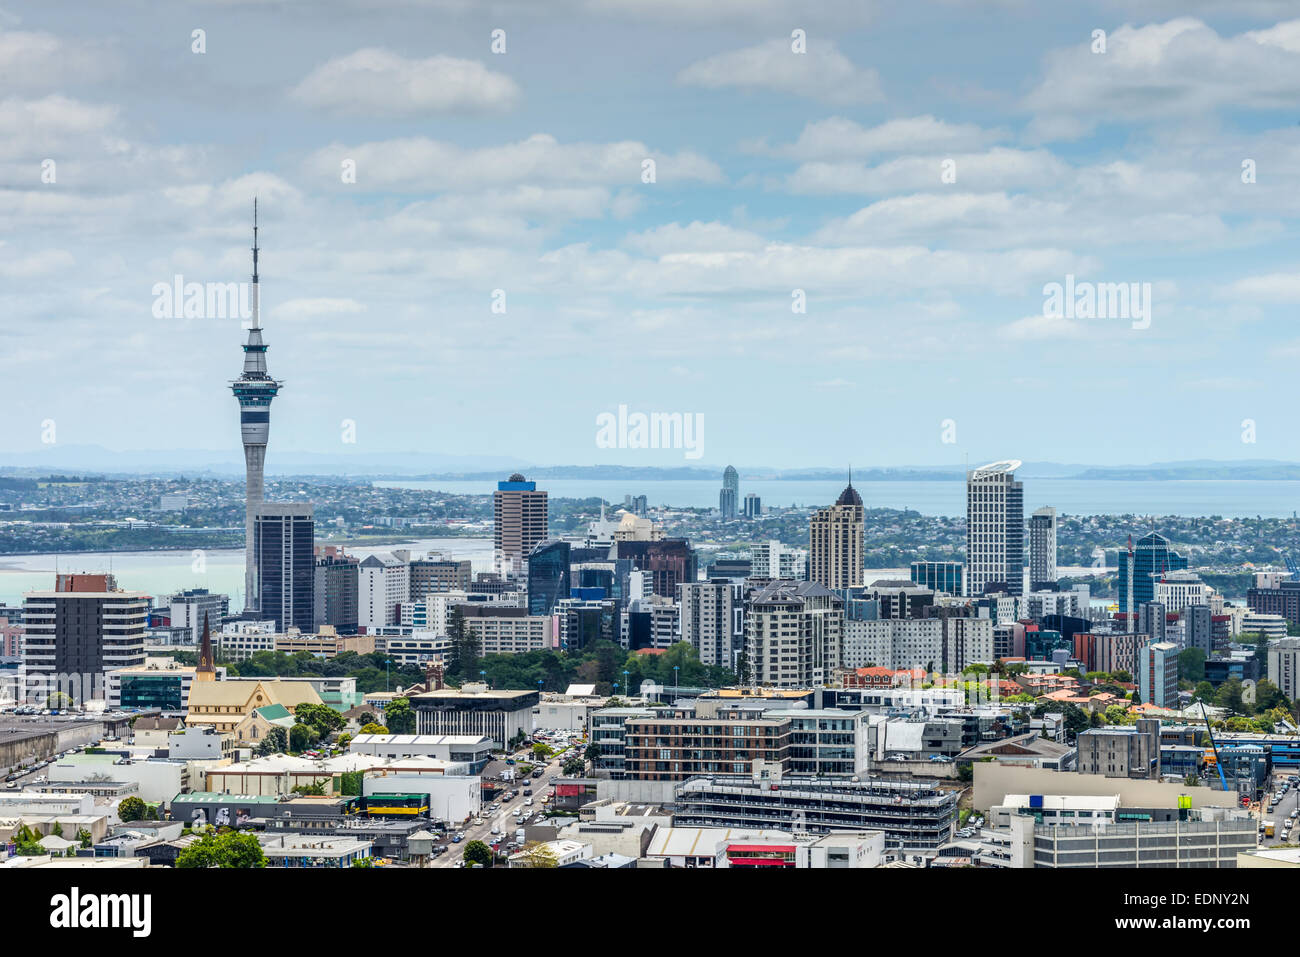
(519, 513)
(223, 705)
(835, 542)
(326, 643)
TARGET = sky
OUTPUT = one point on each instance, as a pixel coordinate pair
(498, 272)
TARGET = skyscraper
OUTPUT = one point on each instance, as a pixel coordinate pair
(254, 389)
(1152, 556)
(835, 542)
(519, 512)
(729, 497)
(1042, 548)
(548, 576)
(286, 571)
(995, 529)
(753, 506)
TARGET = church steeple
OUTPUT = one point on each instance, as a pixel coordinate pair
(207, 670)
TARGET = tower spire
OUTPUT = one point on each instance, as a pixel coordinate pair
(257, 319)
(205, 671)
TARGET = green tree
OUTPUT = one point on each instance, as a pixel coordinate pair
(132, 809)
(234, 849)
(542, 751)
(323, 719)
(1229, 696)
(400, 716)
(85, 838)
(536, 854)
(275, 742)
(302, 737)
(593, 751)
(373, 728)
(574, 766)
(1204, 692)
(1191, 664)
(1268, 696)
(314, 789)
(350, 783)
(476, 852)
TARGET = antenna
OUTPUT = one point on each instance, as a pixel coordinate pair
(257, 321)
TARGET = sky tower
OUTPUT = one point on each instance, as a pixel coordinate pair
(254, 389)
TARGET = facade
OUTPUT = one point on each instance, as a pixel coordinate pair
(682, 743)
(1284, 665)
(995, 532)
(947, 577)
(337, 588)
(827, 743)
(383, 585)
(835, 542)
(159, 684)
(729, 497)
(519, 522)
(793, 634)
(1152, 619)
(1157, 674)
(72, 639)
(500, 715)
(753, 506)
(1210, 837)
(1198, 628)
(948, 643)
(608, 728)
(435, 574)
(774, 560)
(506, 631)
(548, 576)
(916, 816)
(713, 619)
(667, 561)
(286, 565)
(1104, 651)
(188, 609)
(1271, 597)
(1042, 547)
(1122, 752)
(1178, 590)
(223, 705)
(1152, 558)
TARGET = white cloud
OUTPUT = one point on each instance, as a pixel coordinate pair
(837, 138)
(1032, 328)
(1176, 69)
(1000, 167)
(1273, 287)
(378, 82)
(822, 73)
(296, 310)
(694, 237)
(420, 163)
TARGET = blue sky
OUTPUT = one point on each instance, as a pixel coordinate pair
(775, 171)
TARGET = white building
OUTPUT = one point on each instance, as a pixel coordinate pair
(1284, 665)
(772, 559)
(1178, 589)
(383, 584)
(995, 529)
(712, 619)
(1042, 546)
(949, 644)
(1270, 626)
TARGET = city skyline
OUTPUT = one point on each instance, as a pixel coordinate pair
(826, 176)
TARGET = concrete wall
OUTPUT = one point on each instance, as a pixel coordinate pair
(637, 792)
(993, 782)
(15, 749)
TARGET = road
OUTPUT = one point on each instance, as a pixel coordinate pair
(1290, 801)
(503, 818)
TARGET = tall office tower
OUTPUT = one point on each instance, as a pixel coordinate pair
(1198, 628)
(1151, 558)
(519, 511)
(835, 542)
(729, 497)
(548, 576)
(286, 565)
(254, 389)
(1150, 620)
(753, 506)
(337, 590)
(77, 633)
(1157, 674)
(383, 585)
(636, 504)
(793, 634)
(667, 561)
(1042, 548)
(713, 619)
(995, 530)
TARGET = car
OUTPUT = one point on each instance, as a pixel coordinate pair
(528, 801)
(478, 822)
(11, 785)
(496, 829)
(537, 773)
(528, 792)
(458, 838)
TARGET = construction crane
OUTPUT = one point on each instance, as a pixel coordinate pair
(1292, 567)
(1218, 762)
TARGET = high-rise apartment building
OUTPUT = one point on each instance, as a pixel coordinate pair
(940, 576)
(668, 562)
(835, 542)
(437, 574)
(729, 497)
(73, 637)
(1042, 548)
(1198, 628)
(771, 559)
(1157, 674)
(383, 585)
(188, 609)
(793, 633)
(1152, 558)
(995, 530)
(283, 538)
(713, 619)
(520, 521)
(753, 506)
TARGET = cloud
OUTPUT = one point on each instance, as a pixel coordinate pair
(378, 82)
(694, 237)
(33, 61)
(1176, 69)
(296, 310)
(996, 168)
(1033, 328)
(419, 163)
(1273, 287)
(838, 138)
(822, 73)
